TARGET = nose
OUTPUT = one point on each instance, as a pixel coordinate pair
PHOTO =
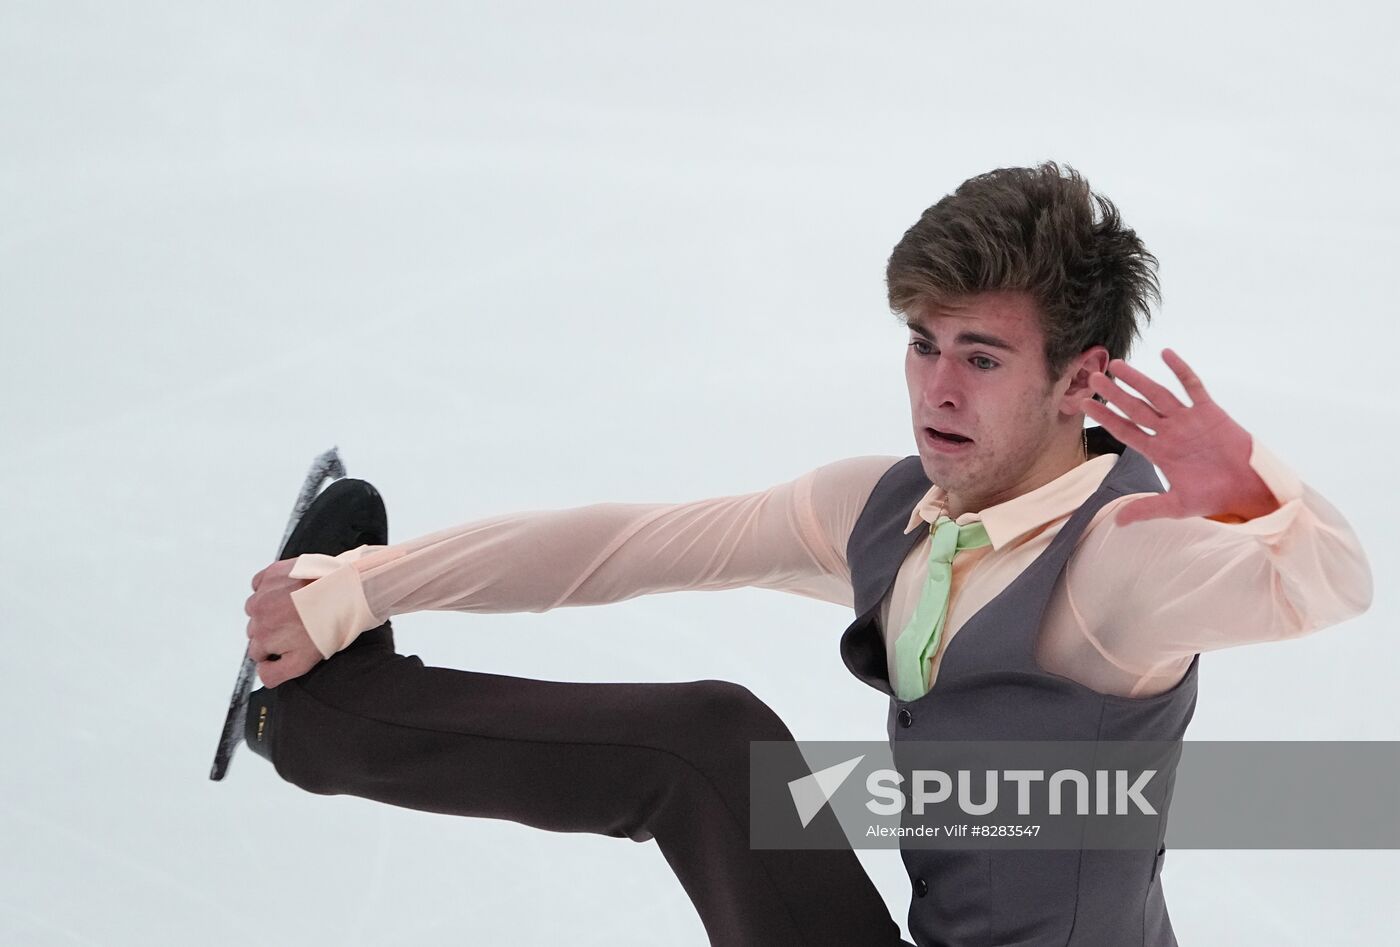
(940, 384)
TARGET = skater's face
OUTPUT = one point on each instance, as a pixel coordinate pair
(977, 368)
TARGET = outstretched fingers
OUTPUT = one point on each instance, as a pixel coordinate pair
(1188, 377)
(1137, 410)
(1161, 397)
(1121, 428)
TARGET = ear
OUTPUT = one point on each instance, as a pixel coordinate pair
(1076, 377)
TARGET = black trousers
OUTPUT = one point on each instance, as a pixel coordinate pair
(641, 761)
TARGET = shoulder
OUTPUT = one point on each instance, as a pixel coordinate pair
(849, 481)
(830, 497)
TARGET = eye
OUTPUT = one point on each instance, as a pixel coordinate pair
(920, 342)
(982, 358)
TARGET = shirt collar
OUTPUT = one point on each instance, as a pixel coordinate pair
(1017, 516)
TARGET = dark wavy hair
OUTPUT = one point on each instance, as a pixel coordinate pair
(1040, 230)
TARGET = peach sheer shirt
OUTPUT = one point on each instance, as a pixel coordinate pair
(1134, 605)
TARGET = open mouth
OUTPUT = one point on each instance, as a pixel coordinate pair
(949, 438)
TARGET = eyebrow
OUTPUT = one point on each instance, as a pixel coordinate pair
(967, 338)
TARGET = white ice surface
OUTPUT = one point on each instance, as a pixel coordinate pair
(516, 255)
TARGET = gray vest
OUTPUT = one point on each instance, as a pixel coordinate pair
(990, 688)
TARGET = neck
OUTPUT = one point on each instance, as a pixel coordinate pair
(1062, 457)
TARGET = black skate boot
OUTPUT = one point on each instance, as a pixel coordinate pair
(345, 515)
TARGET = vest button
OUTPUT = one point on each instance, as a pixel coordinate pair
(905, 717)
(920, 888)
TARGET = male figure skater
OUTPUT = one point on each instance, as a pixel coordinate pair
(1018, 578)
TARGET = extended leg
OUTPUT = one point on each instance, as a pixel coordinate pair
(631, 760)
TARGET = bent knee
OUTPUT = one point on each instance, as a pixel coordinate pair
(724, 717)
(726, 702)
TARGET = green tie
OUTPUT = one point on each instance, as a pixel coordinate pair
(919, 639)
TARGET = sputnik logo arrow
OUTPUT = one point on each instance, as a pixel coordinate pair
(812, 792)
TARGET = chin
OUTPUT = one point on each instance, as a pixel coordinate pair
(935, 469)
